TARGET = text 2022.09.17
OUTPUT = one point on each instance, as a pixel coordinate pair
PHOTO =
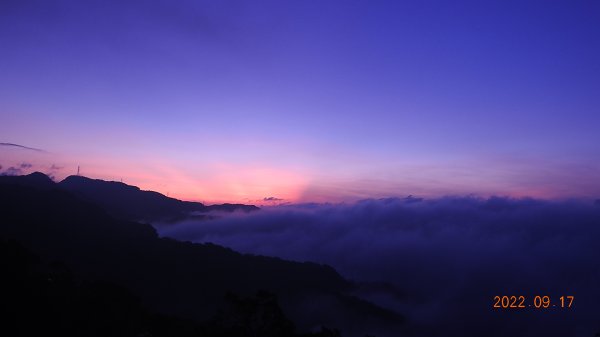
(536, 302)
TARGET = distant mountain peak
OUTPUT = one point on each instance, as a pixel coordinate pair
(77, 179)
(132, 203)
(39, 177)
(36, 179)
(122, 200)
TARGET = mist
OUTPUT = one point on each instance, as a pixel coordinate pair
(439, 262)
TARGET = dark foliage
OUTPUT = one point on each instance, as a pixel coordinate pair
(40, 298)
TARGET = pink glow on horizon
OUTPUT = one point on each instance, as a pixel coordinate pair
(219, 182)
(224, 183)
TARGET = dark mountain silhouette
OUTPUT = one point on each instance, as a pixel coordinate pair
(61, 304)
(36, 179)
(125, 201)
(173, 278)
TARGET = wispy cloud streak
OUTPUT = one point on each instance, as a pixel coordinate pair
(22, 147)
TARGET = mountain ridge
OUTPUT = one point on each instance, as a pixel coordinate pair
(125, 201)
(177, 278)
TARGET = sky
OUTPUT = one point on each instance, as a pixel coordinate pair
(305, 101)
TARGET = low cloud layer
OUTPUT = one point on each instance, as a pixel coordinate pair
(27, 168)
(16, 170)
(444, 260)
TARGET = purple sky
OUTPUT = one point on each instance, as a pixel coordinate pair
(306, 100)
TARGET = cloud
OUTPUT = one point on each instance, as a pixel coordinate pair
(445, 259)
(22, 147)
(16, 170)
(12, 171)
(51, 173)
(272, 199)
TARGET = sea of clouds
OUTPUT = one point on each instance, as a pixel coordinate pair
(439, 262)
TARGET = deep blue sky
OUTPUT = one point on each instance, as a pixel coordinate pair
(307, 100)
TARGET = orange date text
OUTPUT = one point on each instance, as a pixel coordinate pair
(535, 302)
